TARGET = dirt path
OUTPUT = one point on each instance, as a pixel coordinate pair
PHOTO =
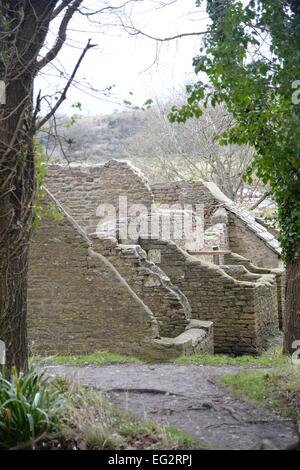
(187, 397)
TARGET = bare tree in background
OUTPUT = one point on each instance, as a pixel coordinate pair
(189, 151)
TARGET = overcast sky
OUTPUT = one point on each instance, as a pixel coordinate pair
(132, 64)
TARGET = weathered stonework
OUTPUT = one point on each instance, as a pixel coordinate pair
(150, 283)
(81, 189)
(246, 236)
(246, 243)
(79, 302)
(149, 297)
(71, 306)
(186, 193)
(244, 312)
(279, 273)
(197, 338)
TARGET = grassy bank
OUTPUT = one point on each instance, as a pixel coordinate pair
(273, 359)
(277, 390)
(99, 358)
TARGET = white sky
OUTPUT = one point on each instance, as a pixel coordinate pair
(125, 61)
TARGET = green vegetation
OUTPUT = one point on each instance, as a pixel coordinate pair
(30, 406)
(276, 390)
(260, 91)
(40, 412)
(49, 210)
(99, 358)
(41, 170)
(265, 360)
(102, 358)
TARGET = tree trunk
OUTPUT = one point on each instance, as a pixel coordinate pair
(23, 26)
(17, 190)
(13, 295)
(292, 307)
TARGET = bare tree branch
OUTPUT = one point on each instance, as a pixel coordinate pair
(69, 83)
(259, 201)
(62, 35)
(133, 31)
(61, 7)
(109, 8)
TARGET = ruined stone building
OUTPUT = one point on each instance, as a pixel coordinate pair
(149, 296)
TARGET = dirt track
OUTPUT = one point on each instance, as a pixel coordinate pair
(187, 397)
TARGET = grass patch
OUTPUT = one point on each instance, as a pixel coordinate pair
(265, 360)
(99, 358)
(102, 358)
(148, 435)
(277, 390)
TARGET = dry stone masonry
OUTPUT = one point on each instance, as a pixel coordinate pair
(146, 295)
(243, 309)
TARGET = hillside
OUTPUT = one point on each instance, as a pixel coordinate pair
(163, 151)
(94, 138)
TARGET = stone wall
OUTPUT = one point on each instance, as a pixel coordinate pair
(168, 304)
(245, 242)
(217, 233)
(244, 313)
(98, 292)
(279, 273)
(81, 189)
(79, 301)
(246, 236)
(76, 298)
(268, 225)
(186, 193)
